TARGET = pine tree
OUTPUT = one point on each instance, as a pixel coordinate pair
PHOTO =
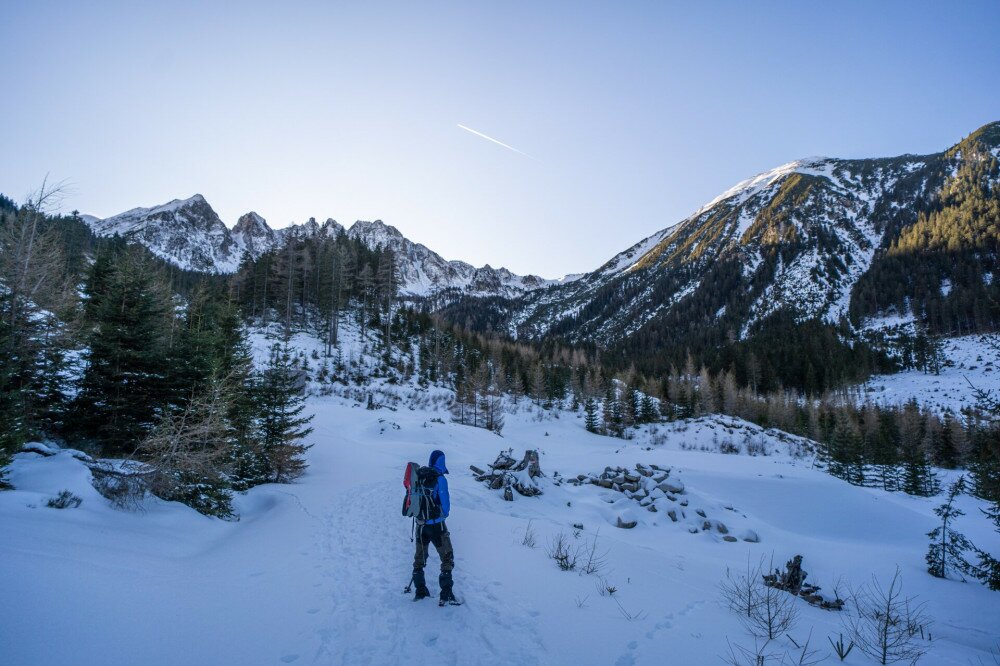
(590, 419)
(282, 428)
(946, 553)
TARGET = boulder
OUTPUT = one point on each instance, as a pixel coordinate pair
(673, 486)
(625, 524)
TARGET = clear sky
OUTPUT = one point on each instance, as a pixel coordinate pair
(627, 116)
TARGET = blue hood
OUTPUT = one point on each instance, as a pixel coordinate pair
(437, 461)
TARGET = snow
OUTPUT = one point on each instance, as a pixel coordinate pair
(971, 361)
(629, 259)
(313, 571)
(745, 189)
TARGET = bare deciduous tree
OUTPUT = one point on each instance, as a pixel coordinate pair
(188, 453)
(765, 611)
(886, 625)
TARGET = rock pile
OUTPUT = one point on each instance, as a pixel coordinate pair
(657, 491)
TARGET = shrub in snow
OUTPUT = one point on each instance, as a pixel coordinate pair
(530, 538)
(729, 447)
(759, 655)
(841, 648)
(593, 562)
(563, 552)
(123, 483)
(64, 500)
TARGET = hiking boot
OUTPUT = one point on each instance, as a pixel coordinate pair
(446, 584)
(421, 593)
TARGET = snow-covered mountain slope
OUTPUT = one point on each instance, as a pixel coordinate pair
(252, 235)
(314, 571)
(189, 234)
(425, 272)
(185, 232)
(796, 239)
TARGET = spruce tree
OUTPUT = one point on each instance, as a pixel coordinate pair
(918, 477)
(247, 462)
(590, 419)
(985, 470)
(122, 388)
(614, 419)
(988, 570)
(885, 450)
(282, 428)
(946, 553)
(648, 413)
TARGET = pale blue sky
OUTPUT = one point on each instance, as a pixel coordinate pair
(634, 114)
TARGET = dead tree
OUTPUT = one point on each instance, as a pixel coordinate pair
(508, 474)
(793, 581)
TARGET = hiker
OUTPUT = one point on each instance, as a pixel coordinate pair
(431, 529)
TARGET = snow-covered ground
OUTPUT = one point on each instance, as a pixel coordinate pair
(971, 361)
(313, 572)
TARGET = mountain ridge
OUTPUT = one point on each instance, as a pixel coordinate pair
(188, 233)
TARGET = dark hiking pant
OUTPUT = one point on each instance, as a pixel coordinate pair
(438, 535)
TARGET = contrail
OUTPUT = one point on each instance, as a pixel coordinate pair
(499, 143)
